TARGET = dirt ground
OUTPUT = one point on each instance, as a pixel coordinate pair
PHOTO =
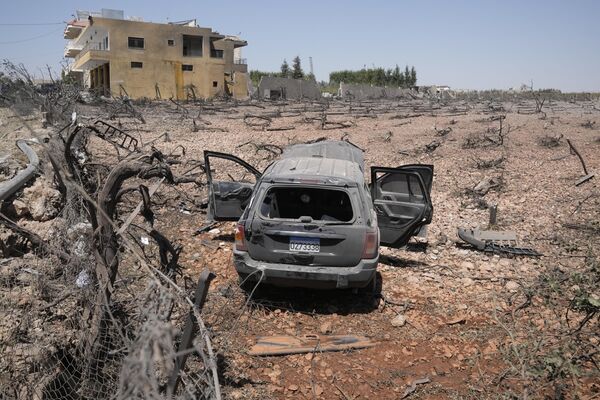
(478, 325)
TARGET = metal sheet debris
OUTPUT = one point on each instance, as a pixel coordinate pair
(495, 241)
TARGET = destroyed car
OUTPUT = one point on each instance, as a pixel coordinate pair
(310, 220)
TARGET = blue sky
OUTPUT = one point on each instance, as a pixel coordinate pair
(464, 44)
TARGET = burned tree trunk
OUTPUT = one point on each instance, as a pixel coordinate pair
(97, 343)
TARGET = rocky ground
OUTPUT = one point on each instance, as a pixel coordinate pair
(464, 323)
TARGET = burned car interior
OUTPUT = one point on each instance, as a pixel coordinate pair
(295, 202)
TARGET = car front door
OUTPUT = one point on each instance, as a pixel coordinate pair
(401, 198)
(227, 199)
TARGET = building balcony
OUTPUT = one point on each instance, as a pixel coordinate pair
(90, 60)
(72, 49)
(74, 29)
(92, 55)
(240, 65)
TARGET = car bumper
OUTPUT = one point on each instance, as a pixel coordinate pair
(357, 276)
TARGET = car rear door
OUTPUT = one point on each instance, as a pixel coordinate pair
(227, 199)
(304, 241)
(401, 198)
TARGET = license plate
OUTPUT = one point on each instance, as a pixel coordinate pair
(310, 245)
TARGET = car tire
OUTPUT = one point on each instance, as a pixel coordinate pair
(370, 288)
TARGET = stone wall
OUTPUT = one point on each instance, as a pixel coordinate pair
(275, 88)
(367, 92)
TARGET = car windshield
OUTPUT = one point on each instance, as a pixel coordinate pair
(294, 202)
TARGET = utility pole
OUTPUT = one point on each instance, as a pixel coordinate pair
(312, 72)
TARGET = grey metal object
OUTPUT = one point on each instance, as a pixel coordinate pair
(12, 185)
(311, 220)
(114, 135)
(495, 241)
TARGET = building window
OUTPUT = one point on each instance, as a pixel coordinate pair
(215, 83)
(192, 46)
(170, 42)
(214, 53)
(135, 42)
(136, 64)
(187, 67)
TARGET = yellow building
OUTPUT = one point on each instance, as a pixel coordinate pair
(177, 60)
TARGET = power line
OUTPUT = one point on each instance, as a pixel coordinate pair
(32, 38)
(34, 24)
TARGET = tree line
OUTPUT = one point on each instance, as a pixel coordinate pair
(295, 72)
(369, 76)
(377, 77)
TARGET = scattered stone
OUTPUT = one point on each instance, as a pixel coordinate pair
(441, 239)
(505, 262)
(512, 286)
(399, 320)
(21, 208)
(467, 265)
(41, 200)
(486, 267)
(460, 319)
(318, 390)
(467, 282)
(485, 185)
(325, 328)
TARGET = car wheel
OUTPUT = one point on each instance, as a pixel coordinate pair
(370, 288)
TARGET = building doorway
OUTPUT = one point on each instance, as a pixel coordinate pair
(100, 79)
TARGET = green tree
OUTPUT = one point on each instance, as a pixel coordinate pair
(256, 76)
(379, 78)
(297, 72)
(396, 76)
(376, 76)
(413, 76)
(285, 69)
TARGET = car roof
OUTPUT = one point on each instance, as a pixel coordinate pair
(334, 149)
(330, 162)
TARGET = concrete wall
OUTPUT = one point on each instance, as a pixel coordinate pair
(367, 92)
(293, 89)
(161, 63)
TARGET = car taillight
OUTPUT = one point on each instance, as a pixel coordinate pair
(371, 245)
(240, 241)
